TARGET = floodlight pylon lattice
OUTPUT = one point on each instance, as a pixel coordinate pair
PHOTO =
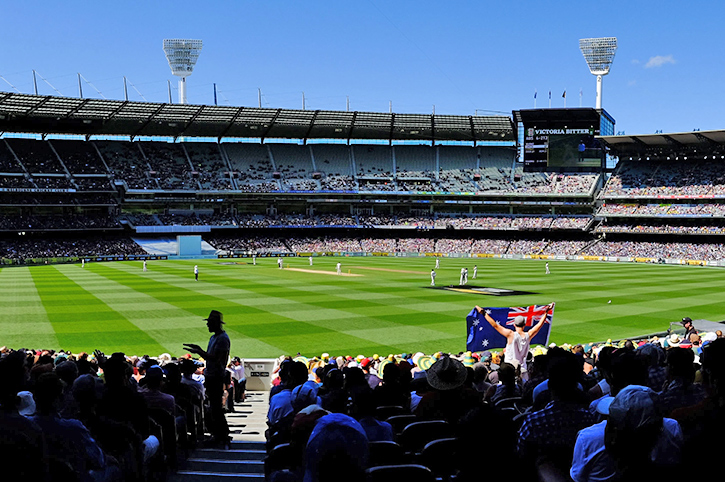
(599, 54)
(182, 55)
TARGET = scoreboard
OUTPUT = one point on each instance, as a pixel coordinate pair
(562, 139)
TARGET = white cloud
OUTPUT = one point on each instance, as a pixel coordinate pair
(659, 61)
(635, 62)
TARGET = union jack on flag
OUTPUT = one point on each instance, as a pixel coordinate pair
(531, 313)
(482, 336)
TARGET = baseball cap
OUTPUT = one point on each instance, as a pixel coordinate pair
(215, 315)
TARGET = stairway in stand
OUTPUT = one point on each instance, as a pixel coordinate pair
(245, 459)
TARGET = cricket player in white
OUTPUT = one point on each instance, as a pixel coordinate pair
(83, 263)
(547, 268)
(280, 262)
(254, 259)
(462, 273)
(339, 268)
(310, 260)
(438, 263)
(196, 272)
(465, 276)
(475, 271)
(144, 266)
(432, 277)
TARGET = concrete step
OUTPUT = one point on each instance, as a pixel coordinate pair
(232, 454)
(192, 476)
(224, 466)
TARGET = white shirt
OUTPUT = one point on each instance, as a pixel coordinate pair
(517, 350)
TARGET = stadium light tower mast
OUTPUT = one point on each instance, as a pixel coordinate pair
(599, 54)
(182, 55)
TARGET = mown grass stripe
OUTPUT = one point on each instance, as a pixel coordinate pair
(81, 321)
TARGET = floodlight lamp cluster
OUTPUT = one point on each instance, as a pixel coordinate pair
(599, 53)
(182, 55)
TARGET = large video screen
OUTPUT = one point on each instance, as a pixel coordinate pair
(558, 140)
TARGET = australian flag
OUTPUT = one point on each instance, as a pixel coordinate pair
(482, 336)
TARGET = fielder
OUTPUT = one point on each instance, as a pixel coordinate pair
(462, 274)
(310, 260)
(196, 272)
(339, 268)
(438, 263)
(547, 268)
(432, 277)
(144, 266)
(475, 271)
(280, 262)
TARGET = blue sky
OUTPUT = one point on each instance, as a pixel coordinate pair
(461, 56)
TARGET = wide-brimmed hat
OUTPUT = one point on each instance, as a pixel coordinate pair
(633, 407)
(446, 374)
(215, 315)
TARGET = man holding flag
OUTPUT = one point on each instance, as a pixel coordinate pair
(517, 341)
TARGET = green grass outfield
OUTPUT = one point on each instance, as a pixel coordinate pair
(389, 309)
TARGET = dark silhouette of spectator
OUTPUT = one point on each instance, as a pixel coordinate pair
(392, 391)
(363, 410)
(679, 389)
(216, 356)
(508, 387)
(23, 450)
(68, 440)
(333, 396)
(448, 398)
(337, 450)
(548, 436)
(635, 441)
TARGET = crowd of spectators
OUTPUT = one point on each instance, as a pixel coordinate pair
(656, 250)
(700, 210)
(604, 410)
(56, 222)
(338, 183)
(20, 248)
(655, 228)
(92, 418)
(600, 411)
(666, 178)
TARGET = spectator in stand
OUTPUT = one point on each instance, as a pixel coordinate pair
(635, 442)
(702, 423)
(68, 440)
(393, 390)
(216, 356)
(363, 410)
(448, 398)
(548, 435)
(151, 391)
(679, 388)
(23, 449)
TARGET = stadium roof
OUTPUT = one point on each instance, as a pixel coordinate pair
(63, 115)
(696, 142)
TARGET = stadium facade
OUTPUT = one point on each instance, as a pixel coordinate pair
(535, 183)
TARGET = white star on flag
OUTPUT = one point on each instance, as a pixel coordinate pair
(476, 322)
(484, 343)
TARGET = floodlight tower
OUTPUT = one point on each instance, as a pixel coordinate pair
(599, 54)
(182, 55)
